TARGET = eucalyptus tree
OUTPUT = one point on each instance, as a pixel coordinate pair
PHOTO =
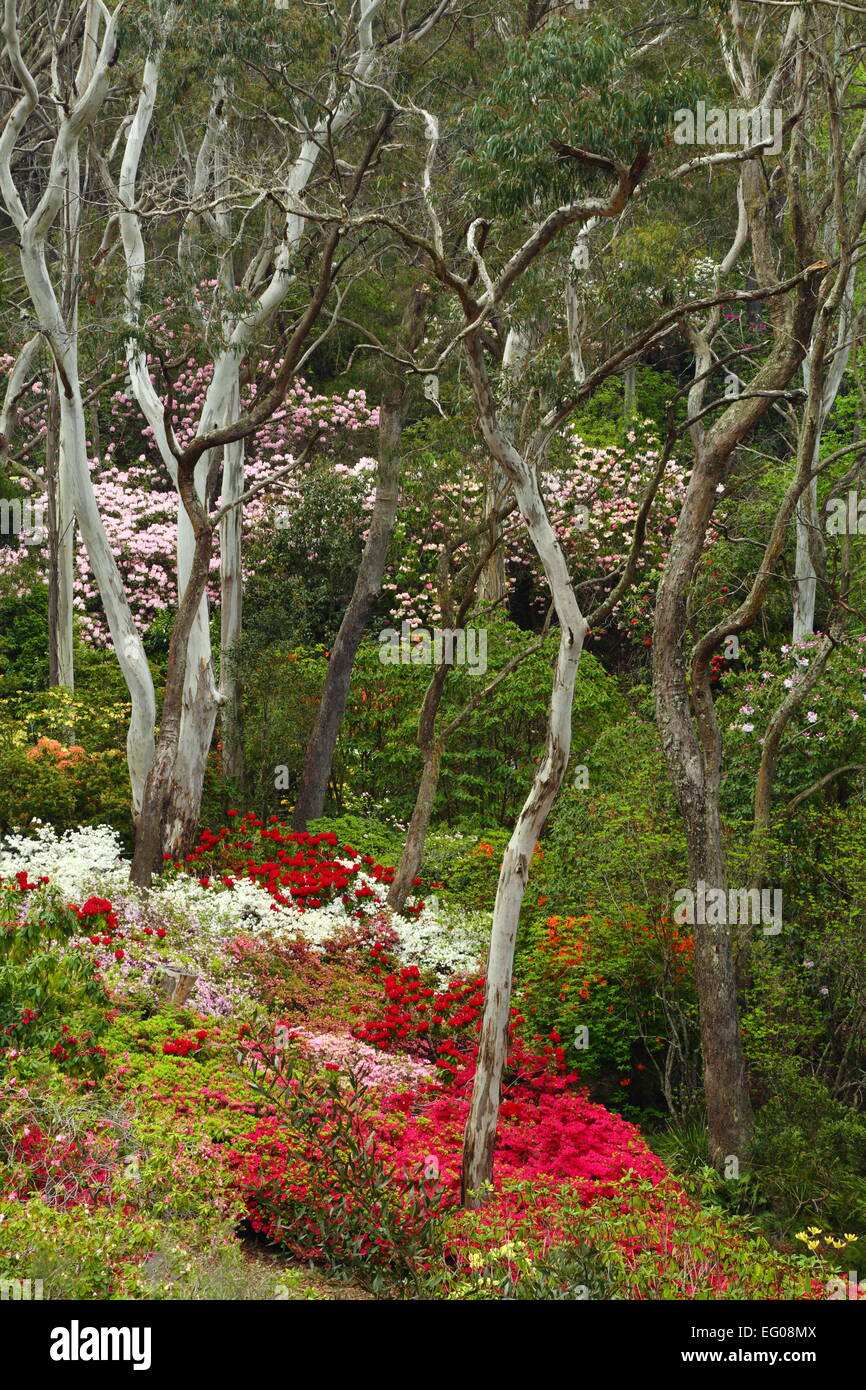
(249, 231)
(65, 99)
(229, 233)
(781, 57)
(538, 139)
(520, 164)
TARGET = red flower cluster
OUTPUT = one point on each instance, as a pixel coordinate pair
(22, 883)
(70, 1046)
(299, 869)
(67, 1172)
(181, 1047)
(417, 1017)
(96, 908)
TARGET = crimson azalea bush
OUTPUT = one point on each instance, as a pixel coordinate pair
(325, 1159)
(298, 869)
(316, 1180)
(417, 1017)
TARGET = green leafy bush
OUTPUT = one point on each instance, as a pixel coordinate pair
(52, 1003)
(466, 866)
(808, 1156)
(491, 758)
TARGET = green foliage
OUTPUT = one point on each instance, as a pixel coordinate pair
(62, 755)
(491, 757)
(376, 837)
(676, 1250)
(571, 82)
(158, 1227)
(303, 571)
(616, 843)
(602, 422)
(826, 732)
(807, 996)
(95, 716)
(514, 1271)
(52, 1001)
(281, 692)
(466, 866)
(808, 1156)
(597, 949)
(23, 649)
(617, 993)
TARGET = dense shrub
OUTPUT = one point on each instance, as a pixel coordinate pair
(52, 1002)
(618, 994)
(808, 1157)
(315, 1182)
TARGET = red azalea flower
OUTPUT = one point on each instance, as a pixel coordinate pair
(95, 907)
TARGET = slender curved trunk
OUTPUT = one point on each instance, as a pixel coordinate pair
(419, 824)
(231, 614)
(125, 637)
(61, 521)
(170, 804)
(480, 1132)
(493, 591)
(310, 800)
(124, 634)
(201, 699)
(432, 749)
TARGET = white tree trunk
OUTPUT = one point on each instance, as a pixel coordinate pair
(805, 578)
(65, 514)
(125, 637)
(481, 1124)
(231, 614)
(33, 231)
(808, 523)
(222, 401)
